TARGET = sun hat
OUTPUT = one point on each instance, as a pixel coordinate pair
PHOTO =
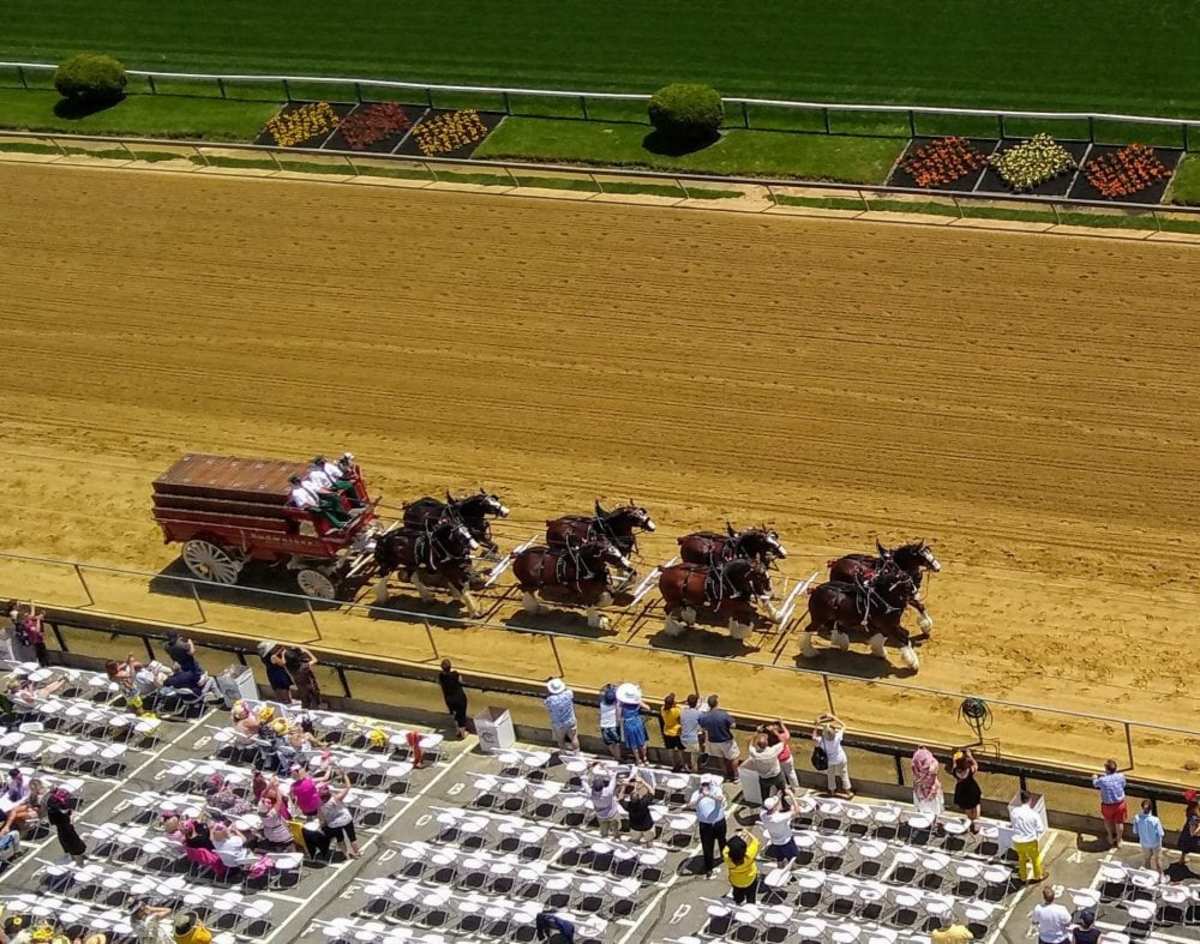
(184, 922)
(628, 693)
(556, 686)
(265, 648)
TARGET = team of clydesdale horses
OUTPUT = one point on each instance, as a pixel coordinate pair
(722, 578)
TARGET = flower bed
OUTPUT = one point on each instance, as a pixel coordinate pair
(297, 125)
(446, 133)
(1123, 173)
(371, 123)
(1027, 165)
(943, 161)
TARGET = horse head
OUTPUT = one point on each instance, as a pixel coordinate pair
(600, 512)
(599, 555)
(884, 553)
(762, 543)
(915, 557)
(632, 517)
(482, 505)
(454, 538)
(749, 578)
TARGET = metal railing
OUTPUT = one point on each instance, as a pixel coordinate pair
(532, 653)
(525, 174)
(502, 98)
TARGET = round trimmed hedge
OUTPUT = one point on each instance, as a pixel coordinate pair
(687, 113)
(91, 79)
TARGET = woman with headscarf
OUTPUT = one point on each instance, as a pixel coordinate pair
(610, 720)
(59, 812)
(927, 786)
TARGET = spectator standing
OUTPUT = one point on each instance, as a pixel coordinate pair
(633, 727)
(1113, 808)
(59, 814)
(304, 793)
(1027, 835)
(927, 784)
(455, 697)
(28, 634)
(1086, 931)
(967, 795)
(1149, 829)
(8, 653)
(717, 725)
(709, 803)
(1189, 835)
(779, 732)
(604, 800)
(299, 662)
(828, 737)
(776, 821)
(671, 716)
(639, 796)
(764, 760)
(553, 928)
(278, 676)
(337, 822)
(1052, 920)
(560, 706)
(690, 732)
(950, 933)
(741, 853)
(610, 721)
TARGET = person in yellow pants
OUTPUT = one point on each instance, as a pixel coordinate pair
(1027, 829)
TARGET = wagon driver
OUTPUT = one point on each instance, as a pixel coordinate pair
(333, 476)
(325, 504)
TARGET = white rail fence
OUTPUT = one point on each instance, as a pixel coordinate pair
(503, 97)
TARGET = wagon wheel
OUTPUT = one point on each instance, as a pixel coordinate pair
(313, 583)
(210, 561)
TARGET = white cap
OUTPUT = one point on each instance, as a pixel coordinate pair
(556, 686)
(771, 804)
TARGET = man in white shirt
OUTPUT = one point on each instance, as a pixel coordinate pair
(301, 495)
(1053, 921)
(308, 498)
(776, 821)
(334, 477)
(1027, 834)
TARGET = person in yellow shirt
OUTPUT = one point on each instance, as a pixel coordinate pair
(672, 727)
(189, 930)
(951, 933)
(740, 854)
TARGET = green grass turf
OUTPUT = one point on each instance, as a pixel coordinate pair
(1100, 55)
(1185, 188)
(146, 115)
(738, 153)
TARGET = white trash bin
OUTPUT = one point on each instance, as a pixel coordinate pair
(751, 785)
(236, 683)
(495, 730)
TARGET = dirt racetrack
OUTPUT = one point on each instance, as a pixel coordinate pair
(1029, 404)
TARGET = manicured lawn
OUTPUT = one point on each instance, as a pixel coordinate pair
(146, 115)
(1102, 55)
(738, 153)
(1185, 188)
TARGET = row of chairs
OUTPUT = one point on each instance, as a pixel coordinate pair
(508, 875)
(32, 745)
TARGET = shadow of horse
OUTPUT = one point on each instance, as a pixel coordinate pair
(702, 642)
(858, 664)
(410, 608)
(563, 622)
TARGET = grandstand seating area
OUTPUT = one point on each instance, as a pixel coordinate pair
(460, 845)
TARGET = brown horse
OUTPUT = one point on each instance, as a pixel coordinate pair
(473, 511)
(727, 591)
(576, 574)
(439, 556)
(913, 559)
(712, 547)
(616, 526)
(876, 606)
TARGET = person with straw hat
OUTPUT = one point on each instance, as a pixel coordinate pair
(190, 930)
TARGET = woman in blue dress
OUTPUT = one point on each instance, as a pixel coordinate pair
(633, 728)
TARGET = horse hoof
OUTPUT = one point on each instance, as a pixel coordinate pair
(926, 624)
(841, 640)
(687, 616)
(877, 646)
(909, 655)
(530, 603)
(738, 630)
(806, 646)
(381, 590)
(672, 627)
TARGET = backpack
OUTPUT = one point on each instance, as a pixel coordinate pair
(820, 760)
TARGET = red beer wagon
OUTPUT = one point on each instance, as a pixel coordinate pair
(226, 511)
